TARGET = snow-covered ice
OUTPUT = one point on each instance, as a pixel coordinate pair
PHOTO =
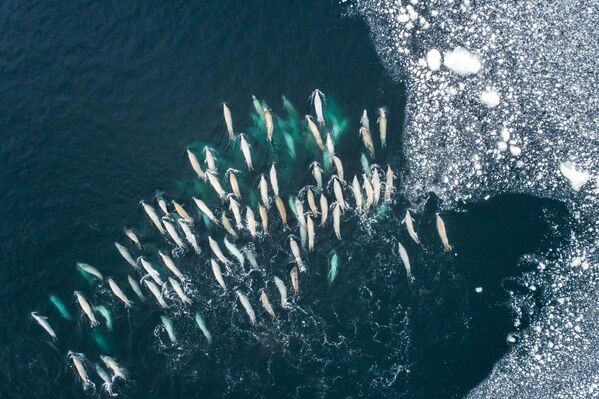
(462, 61)
(433, 59)
(577, 178)
(490, 97)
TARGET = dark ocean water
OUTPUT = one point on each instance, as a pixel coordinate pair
(98, 102)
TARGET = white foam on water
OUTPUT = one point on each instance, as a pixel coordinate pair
(533, 128)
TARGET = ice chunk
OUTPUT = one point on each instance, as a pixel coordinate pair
(462, 61)
(576, 177)
(433, 59)
(515, 150)
(490, 98)
(403, 18)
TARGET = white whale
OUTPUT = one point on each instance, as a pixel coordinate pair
(205, 210)
(43, 321)
(107, 385)
(388, 184)
(233, 181)
(311, 202)
(217, 252)
(89, 269)
(245, 302)
(130, 233)
(87, 309)
(251, 258)
(296, 254)
(317, 97)
(118, 292)
(245, 149)
(168, 262)
(228, 121)
(170, 329)
(151, 270)
(369, 192)
(269, 123)
(172, 232)
(218, 274)
(443, 234)
(382, 121)
(367, 140)
(209, 159)
(337, 220)
(189, 236)
(233, 250)
(266, 303)
(161, 203)
(315, 133)
(324, 209)
(182, 212)
(282, 292)
(202, 324)
(364, 122)
(338, 167)
(282, 211)
(113, 365)
(156, 292)
(294, 279)
(274, 182)
(263, 187)
(409, 221)
(263, 218)
(317, 173)
(179, 290)
(250, 220)
(136, 288)
(338, 192)
(403, 254)
(125, 254)
(376, 186)
(213, 180)
(195, 165)
(227, 225)
(357, 194)
(234, 207)
(78, 363)
(310, 229)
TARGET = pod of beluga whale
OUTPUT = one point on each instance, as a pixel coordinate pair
(240, 195)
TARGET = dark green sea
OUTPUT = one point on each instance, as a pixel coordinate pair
(99, 102)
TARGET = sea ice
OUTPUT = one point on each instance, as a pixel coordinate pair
(490, 98)
(433, 59)
(462, 62)
(576, 177)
